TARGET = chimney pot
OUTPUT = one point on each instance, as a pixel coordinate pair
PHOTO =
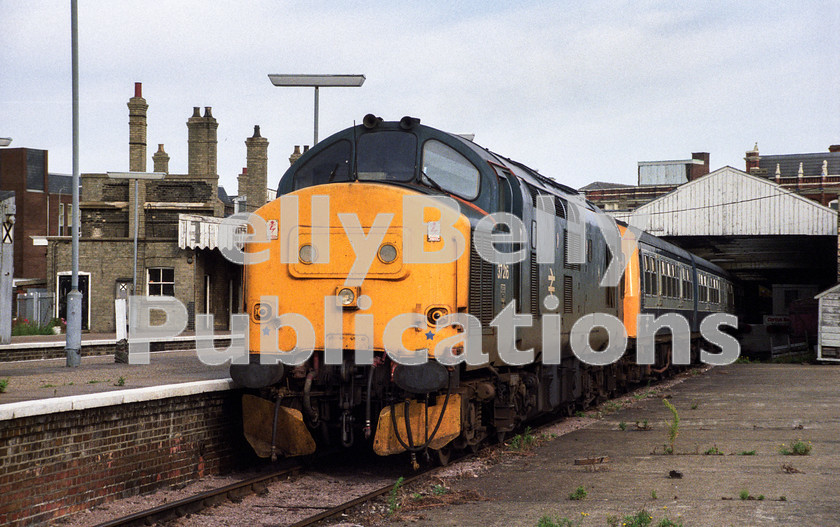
(196, 111)
(207, 111)
(257, 130)
(305, 148)
(138, 89)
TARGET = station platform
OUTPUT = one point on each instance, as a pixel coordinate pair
(36, 379)
(727, 468)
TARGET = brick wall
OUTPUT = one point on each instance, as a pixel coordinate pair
(180, 191)
(115, 191)
(61, 463)
(104, 223)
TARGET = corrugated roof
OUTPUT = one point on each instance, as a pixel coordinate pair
(729, 202)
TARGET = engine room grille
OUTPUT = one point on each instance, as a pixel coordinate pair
(481, 288)
(535, 285)
(567, 294)
(568, 241)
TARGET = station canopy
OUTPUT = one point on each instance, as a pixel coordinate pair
(748, 225)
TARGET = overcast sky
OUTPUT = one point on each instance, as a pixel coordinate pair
(579, 90)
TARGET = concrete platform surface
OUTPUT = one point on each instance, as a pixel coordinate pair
(735, 409)
(42, 379)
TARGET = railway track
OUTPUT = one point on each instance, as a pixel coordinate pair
(169, 512)
(192, 504)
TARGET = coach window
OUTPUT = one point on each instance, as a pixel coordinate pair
(329, 166)
(386, 156)
(161, 281)
(449, 169)
(650, 275)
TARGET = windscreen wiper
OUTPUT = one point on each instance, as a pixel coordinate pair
(432, 182)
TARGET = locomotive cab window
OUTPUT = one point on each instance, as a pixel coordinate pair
(386, 156)
(448, 169)
(330, 166)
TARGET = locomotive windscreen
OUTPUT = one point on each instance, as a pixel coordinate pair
(387, 156)
(330, 166)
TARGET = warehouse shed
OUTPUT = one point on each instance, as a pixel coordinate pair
(828, 339)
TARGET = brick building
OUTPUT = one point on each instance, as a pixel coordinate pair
(42, 201)
(202, 279)
(813, 175)
(655, 178)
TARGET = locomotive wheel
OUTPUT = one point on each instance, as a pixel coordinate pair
(441, 456)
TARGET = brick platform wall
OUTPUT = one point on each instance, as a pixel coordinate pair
(61, 463)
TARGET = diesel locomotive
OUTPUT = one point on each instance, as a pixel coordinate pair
(358, 265)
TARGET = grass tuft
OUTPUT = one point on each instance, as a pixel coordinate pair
(579, 493)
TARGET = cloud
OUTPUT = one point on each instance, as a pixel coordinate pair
(580, 91)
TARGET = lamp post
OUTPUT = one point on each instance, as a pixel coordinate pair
(317, 81)
(73, 343)
(136, 176)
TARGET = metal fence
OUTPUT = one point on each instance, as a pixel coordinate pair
(36, 306)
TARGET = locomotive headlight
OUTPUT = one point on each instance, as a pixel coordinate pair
(262, 312)
(346, 296)
(306, 254)
(387, 253)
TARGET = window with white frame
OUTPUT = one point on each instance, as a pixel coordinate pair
(161, 281)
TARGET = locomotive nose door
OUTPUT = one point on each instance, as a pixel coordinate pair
(507, 275)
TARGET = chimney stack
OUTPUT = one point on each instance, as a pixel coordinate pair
(202, 144)
(752, 158)
(295, 155)
(137, 130)
(256, 187)
(698, 171)
(160, 159)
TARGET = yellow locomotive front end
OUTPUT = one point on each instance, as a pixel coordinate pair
(347, 272)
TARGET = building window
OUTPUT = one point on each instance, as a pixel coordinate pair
(161, 281)
(61, 219)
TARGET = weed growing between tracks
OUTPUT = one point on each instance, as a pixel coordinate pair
(405, 504)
